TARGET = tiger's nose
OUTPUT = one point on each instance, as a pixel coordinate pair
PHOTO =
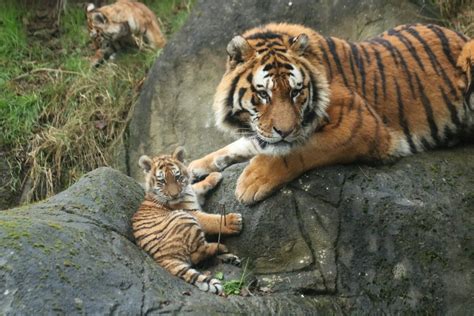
(282, 133)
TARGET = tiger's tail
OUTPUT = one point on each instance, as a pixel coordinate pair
(466, 63)
(184, 271)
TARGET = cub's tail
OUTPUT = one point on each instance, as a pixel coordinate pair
(184, 271)
(466, 63)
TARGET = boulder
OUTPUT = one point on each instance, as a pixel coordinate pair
(378, 239)
(74, 254)
(175, 106)
(343, 239)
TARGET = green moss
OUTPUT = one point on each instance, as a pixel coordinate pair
(69, 263)
(55, 225)
(14, 231)
(6, 268)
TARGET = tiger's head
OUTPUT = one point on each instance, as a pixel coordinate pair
(270, 92)
(100, 27)
(95, 21)
(166, 176)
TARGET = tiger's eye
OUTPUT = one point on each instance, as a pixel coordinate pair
(263, 94)
(295, 92)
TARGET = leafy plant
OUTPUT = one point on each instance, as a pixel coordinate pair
(234, 286)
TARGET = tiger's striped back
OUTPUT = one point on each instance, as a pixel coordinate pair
(410, 78)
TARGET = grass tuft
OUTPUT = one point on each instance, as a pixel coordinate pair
(457, 14)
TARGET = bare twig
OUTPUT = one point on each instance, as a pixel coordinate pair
(46, 70)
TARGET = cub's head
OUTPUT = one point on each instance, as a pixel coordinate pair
(99, 24)
(270, 92)
(95, 20)
(165, 176)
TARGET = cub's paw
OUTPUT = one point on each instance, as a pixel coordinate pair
(213, 286)
(233, 223)
(229, 258)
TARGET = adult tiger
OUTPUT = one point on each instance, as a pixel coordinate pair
(301, 100)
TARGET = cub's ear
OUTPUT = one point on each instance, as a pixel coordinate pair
(239, 49)
(145, 163)
(90, 7)
(299, 44)
(179, 153)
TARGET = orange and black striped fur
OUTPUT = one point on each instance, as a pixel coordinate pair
(301, 100)
(170, 225)
(125, 23)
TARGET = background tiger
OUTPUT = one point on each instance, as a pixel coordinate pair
(170, 225)
(125, 23)
(302, 100)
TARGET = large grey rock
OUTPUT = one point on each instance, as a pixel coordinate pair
(386, 239)
(174, 107)
(74, 254)
(345, 239)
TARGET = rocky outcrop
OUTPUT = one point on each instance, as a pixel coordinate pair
(174, 107)
(359, 239)
(74, 254)
(391, 239)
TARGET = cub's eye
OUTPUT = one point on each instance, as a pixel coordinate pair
(294, 93)
(263, 94)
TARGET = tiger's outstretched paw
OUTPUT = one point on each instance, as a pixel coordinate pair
(252, 187)
(233, 223)
(202, 167)
(229, 258)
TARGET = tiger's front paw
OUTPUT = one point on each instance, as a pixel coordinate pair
(233, 223)
(202, 167)
(259, 179)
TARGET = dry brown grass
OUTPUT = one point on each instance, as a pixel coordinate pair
(85, 134)
(458, 14)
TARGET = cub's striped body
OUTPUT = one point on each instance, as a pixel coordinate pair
(302, 100)
(125, 23)
(170, 226)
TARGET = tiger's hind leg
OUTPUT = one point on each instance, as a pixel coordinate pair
(184, 271)
(207, 250)
(229, 258)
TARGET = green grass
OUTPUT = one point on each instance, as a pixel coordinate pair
(234, 286)
(59, 117)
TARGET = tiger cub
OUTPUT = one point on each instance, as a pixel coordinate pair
(170, 225)
(125, 23)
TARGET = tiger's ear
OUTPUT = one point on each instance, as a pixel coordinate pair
(90, 7)
(239, 49)
(145, 163)
(179, 153)
(299, 44)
